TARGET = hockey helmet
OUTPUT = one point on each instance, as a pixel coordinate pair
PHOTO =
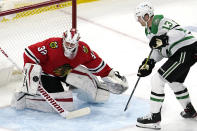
(144, 8)
(70, 43)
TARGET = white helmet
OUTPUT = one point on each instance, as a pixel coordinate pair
(70, 43)
(144, 8)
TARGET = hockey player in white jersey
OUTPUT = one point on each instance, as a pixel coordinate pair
(167, 40)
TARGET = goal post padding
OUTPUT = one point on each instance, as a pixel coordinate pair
(30, 24)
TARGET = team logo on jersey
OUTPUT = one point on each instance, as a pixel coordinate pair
(63, 70)
(85, 49)
(53, 44)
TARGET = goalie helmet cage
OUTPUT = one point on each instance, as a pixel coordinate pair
(29, 24)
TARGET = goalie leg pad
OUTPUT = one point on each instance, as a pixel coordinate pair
(36, 102)
(102, 96)
(18, 100)
(31, 78)
(87, 85)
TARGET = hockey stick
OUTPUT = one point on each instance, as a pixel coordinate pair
(127, 105)
(57, 107)
(18, 68)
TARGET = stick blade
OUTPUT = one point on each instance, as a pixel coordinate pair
(78, 113)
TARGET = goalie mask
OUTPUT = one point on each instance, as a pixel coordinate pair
(70, 43)
(144, 8)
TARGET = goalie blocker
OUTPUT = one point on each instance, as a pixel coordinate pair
(87, 87)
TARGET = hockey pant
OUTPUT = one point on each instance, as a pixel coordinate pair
(173, 72)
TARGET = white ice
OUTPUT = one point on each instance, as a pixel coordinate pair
(110, 28)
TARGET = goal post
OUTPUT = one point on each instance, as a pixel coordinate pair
(23, 26)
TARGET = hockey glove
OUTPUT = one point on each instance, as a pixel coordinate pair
(158, 41)
(116, 83)
(146, 68)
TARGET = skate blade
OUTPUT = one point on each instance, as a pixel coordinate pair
(155, 126)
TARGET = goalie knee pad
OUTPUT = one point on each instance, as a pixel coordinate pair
(31, 78)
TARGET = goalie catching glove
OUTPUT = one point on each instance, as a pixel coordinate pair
(158, 41)
(145, 68)
(116, 83)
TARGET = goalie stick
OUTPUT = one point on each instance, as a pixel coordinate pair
(57, 107)
(127, 105)
(6, 55)
(52, 102)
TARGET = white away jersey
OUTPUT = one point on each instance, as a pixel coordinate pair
(178, 36)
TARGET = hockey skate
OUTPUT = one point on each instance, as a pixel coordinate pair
(189, 112)
(151, 121)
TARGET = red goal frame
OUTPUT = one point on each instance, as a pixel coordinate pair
(42, 4)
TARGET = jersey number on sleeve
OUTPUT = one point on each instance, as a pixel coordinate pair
(42, 50)
(167, 25)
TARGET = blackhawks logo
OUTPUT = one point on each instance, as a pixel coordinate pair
(53, 45)
(63, 70)
(85, 49)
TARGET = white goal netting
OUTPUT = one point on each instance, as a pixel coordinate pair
(19, 30)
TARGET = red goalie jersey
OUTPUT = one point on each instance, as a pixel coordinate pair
(49, 54)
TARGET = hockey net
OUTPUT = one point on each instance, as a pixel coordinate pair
(28, 22)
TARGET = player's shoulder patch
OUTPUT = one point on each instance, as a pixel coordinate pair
(155, 23)
(53, 44)
(84, 46)
(85, 49)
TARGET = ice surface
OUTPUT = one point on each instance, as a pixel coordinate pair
(103, 117)
(110, 29)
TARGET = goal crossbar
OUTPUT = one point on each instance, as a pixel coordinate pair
(43, 4)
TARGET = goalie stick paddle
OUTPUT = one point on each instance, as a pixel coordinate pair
(57, 107)
(127, 105)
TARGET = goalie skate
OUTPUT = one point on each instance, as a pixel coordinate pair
(151, 121)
